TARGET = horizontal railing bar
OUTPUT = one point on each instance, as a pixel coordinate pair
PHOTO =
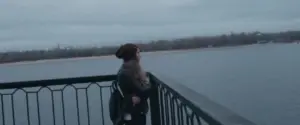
(208, 110)
(61, 81)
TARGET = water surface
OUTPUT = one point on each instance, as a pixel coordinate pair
(259, 82)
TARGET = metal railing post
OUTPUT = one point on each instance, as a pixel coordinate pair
(154, 104)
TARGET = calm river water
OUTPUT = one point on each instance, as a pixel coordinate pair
(259, 82)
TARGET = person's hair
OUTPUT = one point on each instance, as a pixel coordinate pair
(135, 71)
(127, 52)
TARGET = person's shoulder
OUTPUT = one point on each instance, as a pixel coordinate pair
(125, 72)
(124, 75)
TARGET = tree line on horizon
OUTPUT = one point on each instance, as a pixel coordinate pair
(233, 39)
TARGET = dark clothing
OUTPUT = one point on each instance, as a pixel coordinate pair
(115, 103)
(137, 119)
(129, 89)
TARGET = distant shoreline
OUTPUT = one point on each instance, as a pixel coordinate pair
(112, 56)
(90, 57)
(176, 45)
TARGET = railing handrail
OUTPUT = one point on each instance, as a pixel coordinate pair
(59, 81)
(210, 111)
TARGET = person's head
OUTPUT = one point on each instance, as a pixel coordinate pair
(128, 52)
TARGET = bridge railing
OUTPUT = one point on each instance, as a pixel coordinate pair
(70, 101)
(176, 104)
(84, 101)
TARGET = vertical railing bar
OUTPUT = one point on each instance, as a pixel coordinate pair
(38, 107)
(87, 106)
(197, 118)
(192, 120)
(187, 119)
(155, 103)
(2, 108)
(77, 106)
(187, 115)
(28, 110)
(172, 111)
(13, 109)
(63, 107)
(162, 106)
(101, 99)
(167, 109)
(53, 108)
(181, 112)
(178, 114)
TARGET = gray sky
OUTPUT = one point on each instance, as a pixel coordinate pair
(33, 24)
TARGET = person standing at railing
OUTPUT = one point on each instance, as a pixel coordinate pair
(134, 86)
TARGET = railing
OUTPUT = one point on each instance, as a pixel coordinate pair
(84, 101)
(72, 101)
(179, 105)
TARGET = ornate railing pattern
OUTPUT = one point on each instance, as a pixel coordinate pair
(56, 102)
(84, 101)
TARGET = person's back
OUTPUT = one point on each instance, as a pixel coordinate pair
(134, 85)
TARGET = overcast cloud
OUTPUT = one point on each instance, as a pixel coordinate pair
(33, 24)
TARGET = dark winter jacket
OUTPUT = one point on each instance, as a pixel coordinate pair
(130, 86)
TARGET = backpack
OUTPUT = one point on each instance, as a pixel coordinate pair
(115, 102)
